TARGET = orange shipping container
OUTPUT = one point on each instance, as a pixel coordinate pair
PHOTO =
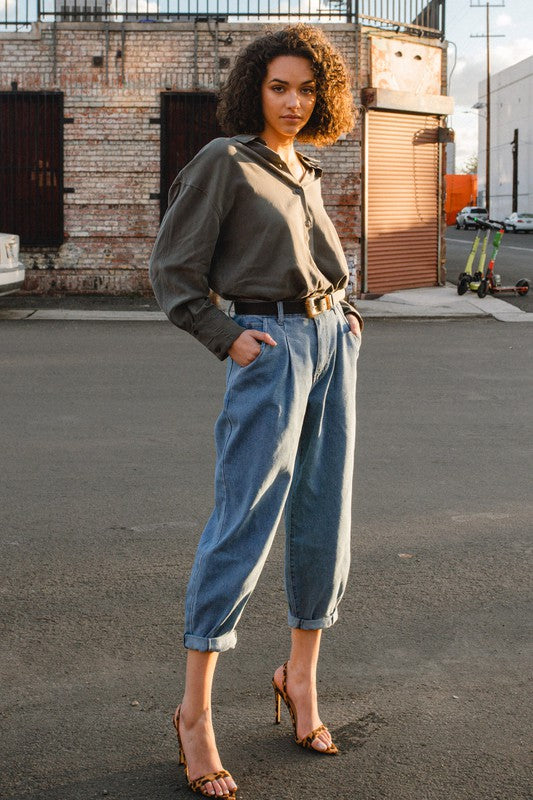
(461, 191)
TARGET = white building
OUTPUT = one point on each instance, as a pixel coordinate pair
(511, 109)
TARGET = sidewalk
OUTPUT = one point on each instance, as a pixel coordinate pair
(438, 301)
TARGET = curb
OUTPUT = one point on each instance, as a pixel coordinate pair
(440, 302)
(81, 315)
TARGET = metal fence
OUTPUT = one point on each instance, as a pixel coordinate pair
(421, 17)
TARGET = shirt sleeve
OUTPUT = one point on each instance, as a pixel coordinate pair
(179, 269)
(349, 309)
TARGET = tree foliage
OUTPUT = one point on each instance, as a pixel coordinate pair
(470, 165)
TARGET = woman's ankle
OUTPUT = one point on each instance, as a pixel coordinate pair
(301, 673)
(192, 715)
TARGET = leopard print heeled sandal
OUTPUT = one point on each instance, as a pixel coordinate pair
(306, 741)
(198, 784)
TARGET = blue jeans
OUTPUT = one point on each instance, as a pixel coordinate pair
(284, 441)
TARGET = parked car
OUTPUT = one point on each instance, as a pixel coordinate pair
(11, 269)
(466, 217)
(519, 221)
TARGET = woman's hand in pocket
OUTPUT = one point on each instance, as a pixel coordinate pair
(354, 324)
(246, 347)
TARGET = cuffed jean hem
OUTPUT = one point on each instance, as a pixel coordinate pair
(313, 624)
(218, 644)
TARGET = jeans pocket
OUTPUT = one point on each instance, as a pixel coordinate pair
(346, 328)
(253, 323)
(262, 346)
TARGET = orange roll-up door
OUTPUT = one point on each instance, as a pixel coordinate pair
(403, 205)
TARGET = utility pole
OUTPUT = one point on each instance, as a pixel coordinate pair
(488, 37)
(514, 146)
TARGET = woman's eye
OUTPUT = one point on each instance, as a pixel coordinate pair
(277, 89)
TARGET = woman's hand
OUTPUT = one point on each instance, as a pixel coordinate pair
(246, 347)
(353, 322)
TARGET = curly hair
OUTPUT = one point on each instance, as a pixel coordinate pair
(239, 109)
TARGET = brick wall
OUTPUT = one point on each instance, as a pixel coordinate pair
(112, 151)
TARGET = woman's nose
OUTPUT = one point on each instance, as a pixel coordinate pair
(293, 100)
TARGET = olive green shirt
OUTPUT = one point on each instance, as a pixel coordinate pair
(240, 224)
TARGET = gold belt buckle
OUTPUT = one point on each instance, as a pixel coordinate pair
(317, 305)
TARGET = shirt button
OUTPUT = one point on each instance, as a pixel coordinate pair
(308, 223)
(195, 331)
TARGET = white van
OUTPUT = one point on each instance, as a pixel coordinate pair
(11, 269)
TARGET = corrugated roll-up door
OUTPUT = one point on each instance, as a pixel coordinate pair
(402, 201)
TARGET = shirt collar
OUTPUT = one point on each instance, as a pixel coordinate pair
(246, 138)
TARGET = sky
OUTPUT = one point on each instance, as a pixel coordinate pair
(515, 20)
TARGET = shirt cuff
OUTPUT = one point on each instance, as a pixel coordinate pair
(222, 340)
(211, 326)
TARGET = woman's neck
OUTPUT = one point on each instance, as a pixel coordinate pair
(283, 147)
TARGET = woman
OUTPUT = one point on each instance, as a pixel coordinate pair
(246, 220)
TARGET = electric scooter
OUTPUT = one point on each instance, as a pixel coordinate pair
(470, 279)
(490, 282)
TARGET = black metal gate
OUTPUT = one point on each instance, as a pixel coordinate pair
(188, 123)
(31, 166)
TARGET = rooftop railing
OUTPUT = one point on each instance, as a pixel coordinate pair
(419, 17)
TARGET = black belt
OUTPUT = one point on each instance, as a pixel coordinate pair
(311, 306)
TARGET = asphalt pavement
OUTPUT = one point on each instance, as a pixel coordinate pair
(106, 484)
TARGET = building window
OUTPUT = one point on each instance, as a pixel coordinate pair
(31, 143)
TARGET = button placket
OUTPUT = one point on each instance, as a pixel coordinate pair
(308, 219)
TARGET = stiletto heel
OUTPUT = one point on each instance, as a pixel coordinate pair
(197, 785)
(277, 700)
(305, 741)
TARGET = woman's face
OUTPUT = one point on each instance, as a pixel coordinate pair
(288, 96)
